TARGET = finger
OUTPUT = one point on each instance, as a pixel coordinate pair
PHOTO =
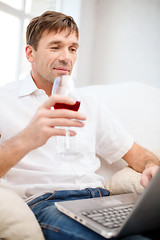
(61, 132)
(151, 170)
(67, 114)
(155, 170)
(61, 113)
(56, 98)
(65, 122)
(144, 180)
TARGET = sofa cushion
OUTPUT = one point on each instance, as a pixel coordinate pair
(16, 219)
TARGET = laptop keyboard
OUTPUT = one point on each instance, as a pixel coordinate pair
(109, 217)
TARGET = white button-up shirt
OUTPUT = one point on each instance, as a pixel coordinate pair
(46, 168)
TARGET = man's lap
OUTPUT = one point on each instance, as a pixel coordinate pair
(56, 225)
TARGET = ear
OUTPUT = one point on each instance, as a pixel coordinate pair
(29, 53)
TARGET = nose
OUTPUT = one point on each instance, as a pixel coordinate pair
(65, 56)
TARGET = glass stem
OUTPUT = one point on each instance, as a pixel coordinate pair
(67, 138)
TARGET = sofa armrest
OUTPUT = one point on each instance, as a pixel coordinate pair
(17, 221)
(125, 181)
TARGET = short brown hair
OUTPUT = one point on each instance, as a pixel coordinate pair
(50, 21)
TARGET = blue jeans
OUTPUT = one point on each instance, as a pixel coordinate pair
(56, 225)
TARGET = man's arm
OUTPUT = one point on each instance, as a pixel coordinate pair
(142, 161)
(39, 130)
(11, 152)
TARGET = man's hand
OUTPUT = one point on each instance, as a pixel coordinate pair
(143, 161)
(147, 174)
(44, 123)
(39, 130)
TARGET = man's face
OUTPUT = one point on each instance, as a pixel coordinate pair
(55, 55)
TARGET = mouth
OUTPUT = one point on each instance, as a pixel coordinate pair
(62, 70)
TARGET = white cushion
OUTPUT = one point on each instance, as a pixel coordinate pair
(17, 222)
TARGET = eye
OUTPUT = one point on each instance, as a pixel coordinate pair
(73, 49)
(55, 48)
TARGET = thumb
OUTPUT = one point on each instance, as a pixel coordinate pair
(145, 179)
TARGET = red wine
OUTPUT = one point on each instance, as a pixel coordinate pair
(74, 107)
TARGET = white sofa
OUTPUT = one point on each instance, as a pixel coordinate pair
(137, 106)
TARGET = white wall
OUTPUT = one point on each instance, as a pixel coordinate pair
(119, 41)
(72, 8)
(87, 39)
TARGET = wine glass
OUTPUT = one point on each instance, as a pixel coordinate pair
(64, 85)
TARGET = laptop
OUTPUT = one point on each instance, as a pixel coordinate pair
(118, 215)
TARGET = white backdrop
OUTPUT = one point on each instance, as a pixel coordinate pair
(119, 40)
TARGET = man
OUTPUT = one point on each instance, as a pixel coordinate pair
(30, 132)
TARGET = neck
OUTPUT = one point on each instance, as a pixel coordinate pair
(43, 84)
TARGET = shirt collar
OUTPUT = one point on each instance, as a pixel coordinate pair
(27, 86)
